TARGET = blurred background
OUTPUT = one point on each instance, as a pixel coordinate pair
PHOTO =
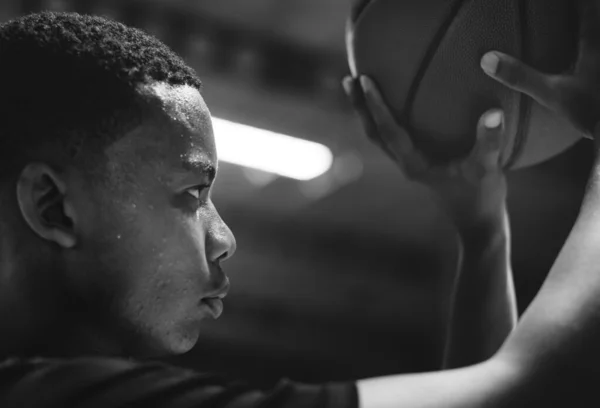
(348, 274)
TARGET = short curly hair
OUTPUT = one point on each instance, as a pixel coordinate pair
(67, 78)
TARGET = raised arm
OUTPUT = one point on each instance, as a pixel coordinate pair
(484, 307)
(561, 328)
(551, 358)
(472, 192)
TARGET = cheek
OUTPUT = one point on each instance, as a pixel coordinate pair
(165, 265)
(146, 267)
(170, 278)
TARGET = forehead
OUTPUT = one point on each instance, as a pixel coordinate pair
(182, 104)
(176, 135)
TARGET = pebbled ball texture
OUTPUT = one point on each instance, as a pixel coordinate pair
(425, 56)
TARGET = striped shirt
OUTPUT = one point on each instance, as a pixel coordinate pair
(111, 382)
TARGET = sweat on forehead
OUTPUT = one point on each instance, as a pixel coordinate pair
(175, 134)
(182, 103)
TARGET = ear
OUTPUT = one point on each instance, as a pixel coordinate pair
(42, 198)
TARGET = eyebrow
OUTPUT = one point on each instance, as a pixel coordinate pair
(199, 166)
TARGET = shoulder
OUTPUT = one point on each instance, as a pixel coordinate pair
(107, 382)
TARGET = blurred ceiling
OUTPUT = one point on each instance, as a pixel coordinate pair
(315, 24)
(347, 275)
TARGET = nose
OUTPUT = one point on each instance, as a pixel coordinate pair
(220, 242)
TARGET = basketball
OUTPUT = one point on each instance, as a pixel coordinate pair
(425, 57)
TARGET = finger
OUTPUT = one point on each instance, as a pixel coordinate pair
(488, 147)
(354, 93)
(357, 99)
(392, 134)
(347, 84)
(520, 77)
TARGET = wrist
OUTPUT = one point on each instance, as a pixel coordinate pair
(475, 205)
(482, 229)
(479, 215)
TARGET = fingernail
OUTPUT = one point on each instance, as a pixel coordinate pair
(347, 84)
(490, 62)
(493, 120)
(365, 82)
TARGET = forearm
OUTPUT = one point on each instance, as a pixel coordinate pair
(483, 307)
(558, 336)
(551, 357)
(566, 311)
(489, 384)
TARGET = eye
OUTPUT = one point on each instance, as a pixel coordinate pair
(196, 192)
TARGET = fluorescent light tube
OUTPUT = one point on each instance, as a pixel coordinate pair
(269, 151)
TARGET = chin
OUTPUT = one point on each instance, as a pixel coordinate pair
(163, 342)
(178, 340)
(182, 346)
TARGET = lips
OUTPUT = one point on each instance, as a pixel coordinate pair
(220, 292)
(214, 306)
(213, 301)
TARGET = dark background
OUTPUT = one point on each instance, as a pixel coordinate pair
(349, 275)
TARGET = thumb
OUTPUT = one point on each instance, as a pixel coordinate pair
(357, 100)
(488, 147)
(520, 77)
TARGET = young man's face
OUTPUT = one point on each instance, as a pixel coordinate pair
(151, 241)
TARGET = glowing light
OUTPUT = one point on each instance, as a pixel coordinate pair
(269, 151)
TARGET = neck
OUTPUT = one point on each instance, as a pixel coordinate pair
(47, 331)
(40, 319)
